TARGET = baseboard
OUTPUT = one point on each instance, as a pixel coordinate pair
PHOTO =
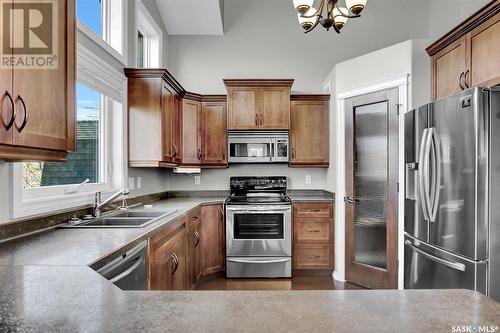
(312, 272)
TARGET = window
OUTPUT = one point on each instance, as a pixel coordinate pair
(141, 49)
(104, 22)
(149, 39)
(84, 164)
(90, 13)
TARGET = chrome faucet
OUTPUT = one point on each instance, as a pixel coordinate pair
(98, 204)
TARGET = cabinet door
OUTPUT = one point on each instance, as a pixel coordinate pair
(212, 240)
(168, 109)
(193, 259)
(244, 108)
(485, 53)
(448, 69)
(169, 271)
(6, 106)
(276, 108)
(214, 133)
(177, 131)
(44, 98)
(309, 134)
(191, 127)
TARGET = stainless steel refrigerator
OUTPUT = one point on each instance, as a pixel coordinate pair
(452, 193)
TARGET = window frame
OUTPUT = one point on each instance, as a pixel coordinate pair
(105, 79)
(114, 34)
(153, 37)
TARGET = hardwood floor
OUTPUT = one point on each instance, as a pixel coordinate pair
(295, 283)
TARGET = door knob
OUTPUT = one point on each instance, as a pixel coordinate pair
(351, 201)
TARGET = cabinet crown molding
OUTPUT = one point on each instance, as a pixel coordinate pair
(159, 73)
(475, 20)
(310, 97)
(258, 82)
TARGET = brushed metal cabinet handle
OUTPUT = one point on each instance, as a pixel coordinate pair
(25, 119)
(315, 230)
(176, 263)
(293, 152)
(221, 212)
(256, 120)
(199, 154)
(465, 78)
(174, 148)
(13, 117)
(311, 257)
(460, 80)
(197, 235)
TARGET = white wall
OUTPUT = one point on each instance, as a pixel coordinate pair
(262, 39)
(218, 179)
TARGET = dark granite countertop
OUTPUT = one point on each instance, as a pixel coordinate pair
(46, 286)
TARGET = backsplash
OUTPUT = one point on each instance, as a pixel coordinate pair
(218, 179)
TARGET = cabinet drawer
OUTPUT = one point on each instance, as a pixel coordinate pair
(164, 240)
(308, 209)
(313, 256)
(313, 230)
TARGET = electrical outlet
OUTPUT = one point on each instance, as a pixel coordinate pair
(308, 179)
(197, 180)
(139, 182)
(131, 183)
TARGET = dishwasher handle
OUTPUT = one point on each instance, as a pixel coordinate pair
(127, 272)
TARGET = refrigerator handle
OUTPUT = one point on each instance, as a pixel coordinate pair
(455, 265)
(423, 162)
(437, 174)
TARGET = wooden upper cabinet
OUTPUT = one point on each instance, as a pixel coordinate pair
(191, 137)
(212, 240)
(258, 104)
(449, 67)
(276, 108)
(154, 115)
(214, 131)
(468, 55)
(167, 124)
(44, 99)
(244, 108)
(485, 53)
(6, 107)
(309, 130)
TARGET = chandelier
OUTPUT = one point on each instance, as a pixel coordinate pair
(329, 14)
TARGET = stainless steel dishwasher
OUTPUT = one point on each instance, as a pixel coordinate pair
(129, 271)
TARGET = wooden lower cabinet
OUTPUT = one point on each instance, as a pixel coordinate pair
(212, 239)
(168, 270)
(194, 248)
(313, 236)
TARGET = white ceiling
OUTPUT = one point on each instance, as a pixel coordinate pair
(192, 17)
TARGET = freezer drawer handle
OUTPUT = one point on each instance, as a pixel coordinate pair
(455, 265)
(242, 261)
(129, 270)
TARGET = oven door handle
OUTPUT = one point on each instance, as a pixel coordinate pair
(272, 261)
(266, 210)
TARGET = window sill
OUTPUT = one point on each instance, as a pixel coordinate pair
(84, 29)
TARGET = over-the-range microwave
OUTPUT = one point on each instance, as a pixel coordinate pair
(258, 147)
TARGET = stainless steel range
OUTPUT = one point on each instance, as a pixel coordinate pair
(258, 228)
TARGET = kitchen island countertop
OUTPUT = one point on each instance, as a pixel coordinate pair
(47, 286)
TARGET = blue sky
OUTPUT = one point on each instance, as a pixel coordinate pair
(89, 12)
(87, 104)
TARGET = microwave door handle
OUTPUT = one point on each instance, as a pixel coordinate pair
(272, 158)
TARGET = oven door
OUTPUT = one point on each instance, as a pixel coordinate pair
(259, 231)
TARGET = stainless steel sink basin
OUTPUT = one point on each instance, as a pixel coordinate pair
(123, 219)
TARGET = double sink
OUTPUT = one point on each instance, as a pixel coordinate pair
(123, 219)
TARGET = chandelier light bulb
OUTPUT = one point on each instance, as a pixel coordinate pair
(340, 20)
(302, 6)
(355, 6)
(308, 22)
